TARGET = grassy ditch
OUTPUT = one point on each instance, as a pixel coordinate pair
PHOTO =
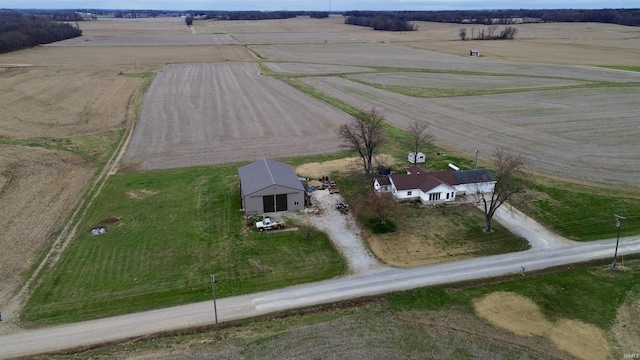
(168, 231)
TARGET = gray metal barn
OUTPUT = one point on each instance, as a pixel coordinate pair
(270, 186)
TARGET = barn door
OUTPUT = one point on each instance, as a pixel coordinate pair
(281, 202)
(268, 203)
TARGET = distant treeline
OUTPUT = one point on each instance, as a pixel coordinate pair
(385, 23)
(246, 15)
(629, 17)
(19, 31)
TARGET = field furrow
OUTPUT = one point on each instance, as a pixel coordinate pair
(247, 116)
(574, 133)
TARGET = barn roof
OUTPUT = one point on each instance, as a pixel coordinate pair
(264, 173)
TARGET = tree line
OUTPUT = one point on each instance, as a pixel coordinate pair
(488, 33)
(630, 17)
(384, 23)
(246, 15)
(18, 31)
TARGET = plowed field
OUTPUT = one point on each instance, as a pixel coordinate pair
(37, 189)
(202, 114)
(583, 133)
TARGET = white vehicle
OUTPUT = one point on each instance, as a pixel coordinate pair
(268, 224)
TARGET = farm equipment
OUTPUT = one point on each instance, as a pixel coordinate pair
(328, 184)
(342, 207)
(269, 224)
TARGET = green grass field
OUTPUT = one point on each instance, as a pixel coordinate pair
(177, 227)
(583, 212)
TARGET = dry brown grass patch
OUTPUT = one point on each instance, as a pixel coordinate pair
(424, 238)
(626, 330)
(140, 194)
(346, 165)
(522, 316)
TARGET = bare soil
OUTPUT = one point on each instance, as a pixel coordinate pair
(38, 188)
(148, 26)
(522, 316)
(201, 114)
(626, 331)
(566, 132)
(62, 102)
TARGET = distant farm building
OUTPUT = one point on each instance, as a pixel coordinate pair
(436, 187)
(270, 186)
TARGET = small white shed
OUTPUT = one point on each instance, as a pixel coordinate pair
(416, 158)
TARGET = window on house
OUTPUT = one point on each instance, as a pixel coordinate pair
(295, 203)
(448, 196)
(434, 197)
(408, 193)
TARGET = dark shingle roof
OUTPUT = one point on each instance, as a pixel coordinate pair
(264, 173)
(419, 178)
(383, 180)
(422, 181)
(474, 176)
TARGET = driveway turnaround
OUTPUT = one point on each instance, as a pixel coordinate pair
(374, 282)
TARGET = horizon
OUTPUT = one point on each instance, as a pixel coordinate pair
(323, 5)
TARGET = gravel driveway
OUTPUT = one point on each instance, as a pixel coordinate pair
(343, 231)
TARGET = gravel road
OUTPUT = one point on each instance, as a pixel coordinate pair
(343, 231)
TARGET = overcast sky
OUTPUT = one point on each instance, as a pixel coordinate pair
(323, 5)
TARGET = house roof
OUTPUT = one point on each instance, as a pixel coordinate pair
(422, 181)
(264, 173)
(447, 177)
(383, 180)
(415, 169)
(474, 176)
(419, 178)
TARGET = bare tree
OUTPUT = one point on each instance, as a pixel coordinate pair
(462, 34)
(417, 138)
(364, 135)
(507, 166)
(373, 203)
(492, 31)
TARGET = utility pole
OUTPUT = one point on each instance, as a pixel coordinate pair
(213, 289)
(618, 224)
(477, 151)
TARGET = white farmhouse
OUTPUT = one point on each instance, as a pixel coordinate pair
(436, 187)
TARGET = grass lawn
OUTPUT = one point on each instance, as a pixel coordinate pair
(583, 212)
(176, 228)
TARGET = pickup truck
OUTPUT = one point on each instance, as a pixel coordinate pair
(269, 224)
